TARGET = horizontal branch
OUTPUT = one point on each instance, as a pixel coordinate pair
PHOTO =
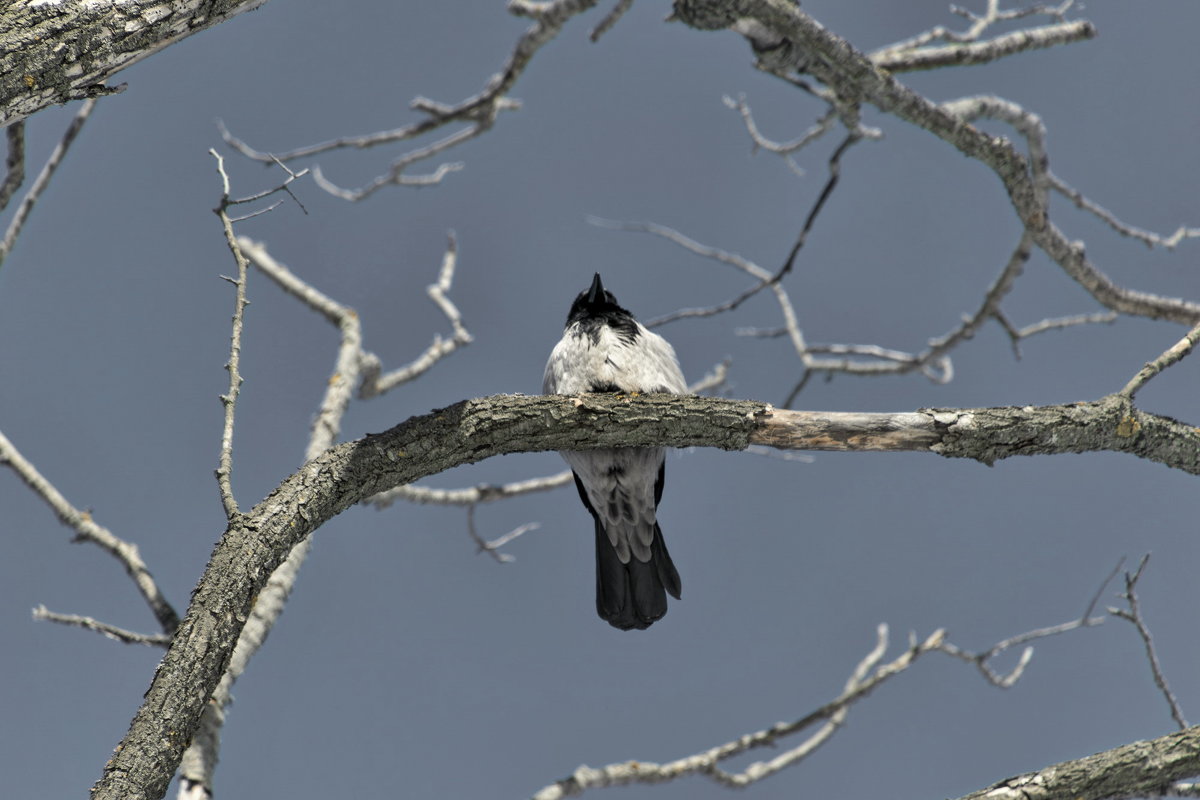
(256, 542)
(959, 54)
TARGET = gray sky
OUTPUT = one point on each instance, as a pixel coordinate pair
(407, 665)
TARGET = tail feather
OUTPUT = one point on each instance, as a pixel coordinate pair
(634, 595)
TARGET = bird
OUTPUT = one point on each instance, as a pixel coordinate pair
(604, 349)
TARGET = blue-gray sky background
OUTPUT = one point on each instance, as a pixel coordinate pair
(406, 664)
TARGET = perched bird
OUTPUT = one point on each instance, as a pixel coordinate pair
(604, 349)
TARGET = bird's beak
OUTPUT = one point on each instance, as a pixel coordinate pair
(596, 292)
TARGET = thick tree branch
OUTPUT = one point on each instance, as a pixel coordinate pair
(257, 542)
(1140, 769)
(51, 53)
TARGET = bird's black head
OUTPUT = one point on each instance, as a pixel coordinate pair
(596, 307)
(595, 301)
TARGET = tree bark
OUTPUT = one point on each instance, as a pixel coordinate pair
(256, 542)
(1139, 769)
(55, 51)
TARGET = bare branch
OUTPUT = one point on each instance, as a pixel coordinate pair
(483, 493)
(229, 400)
(199, 761)
(932, 362)
(786, 150)
(376, 384)
(87, 530)
(866, 676)
(285, 279)
(478, 112)
(1134, 615)
(345, 474)
(980, 23)
(971, 53)
(396, 175)
(981, 659)
(14, 163)
(852, 78)
(610, 19)
(487, 492)
(492, 547)
(43, 614)
(1058, 323)
(1173, 355)
(1149, 238)
(715, 378)
(43, 179)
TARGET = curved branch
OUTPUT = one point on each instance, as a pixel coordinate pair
(257, 542)
(855, 78)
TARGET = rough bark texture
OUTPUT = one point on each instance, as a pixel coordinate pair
(62, 50)
(256, 542)
(1139, 769)
(990, 434)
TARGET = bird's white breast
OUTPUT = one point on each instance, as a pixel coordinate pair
(645, 364)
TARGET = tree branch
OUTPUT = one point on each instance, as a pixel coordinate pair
(1139, 769)
(43, 614)
(51, 53)
(1133, 615)
(16, 173)
(88, 530)
(854, 78)
(255, 543)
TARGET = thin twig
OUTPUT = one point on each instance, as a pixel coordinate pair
(483, 493)
(43, 614)
(866, 677)
(1173, 355)
(1149, 238)
(981, 659)
(374, 383)
(1134, 615)
(1058, 323)
(972, 53)
(200, 759)
(713, 379)
(610, 19)
(892, 361)
(478, 112)
(87, 530)
(492, 547)
(229, 400)
(822, 126)
(43, 179)
(980, 23)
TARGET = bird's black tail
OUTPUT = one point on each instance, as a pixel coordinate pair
(633, 595)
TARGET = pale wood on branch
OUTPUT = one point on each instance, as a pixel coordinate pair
(257, 541)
